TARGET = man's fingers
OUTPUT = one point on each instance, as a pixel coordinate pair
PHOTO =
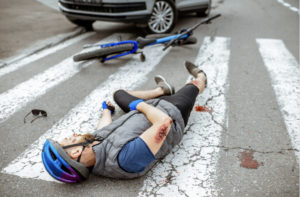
(109, 104)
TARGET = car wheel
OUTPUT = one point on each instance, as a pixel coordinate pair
(205, 12)
(84, 23)
(163, 18)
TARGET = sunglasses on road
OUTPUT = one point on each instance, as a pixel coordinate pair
(36, 112)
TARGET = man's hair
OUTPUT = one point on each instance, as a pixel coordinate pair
(88, 136)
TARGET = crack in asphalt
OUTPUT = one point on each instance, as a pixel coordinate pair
(252, 150)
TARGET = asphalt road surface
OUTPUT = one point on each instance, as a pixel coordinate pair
(247, 146)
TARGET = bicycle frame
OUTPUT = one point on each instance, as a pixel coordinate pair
(135, 45)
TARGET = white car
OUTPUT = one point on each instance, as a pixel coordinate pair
(155, 16)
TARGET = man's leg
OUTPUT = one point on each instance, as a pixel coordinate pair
(200, 77)
(199, 82)
(147, 94)
(124, 97)
(185, 98)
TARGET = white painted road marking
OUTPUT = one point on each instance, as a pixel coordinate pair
(193, 163)
(85, 116)
(284, 71)
(39, 55)
(289, 6)
(19, 96)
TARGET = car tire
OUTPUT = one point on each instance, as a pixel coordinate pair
(162, 21)
(83, 23)
(205, 12)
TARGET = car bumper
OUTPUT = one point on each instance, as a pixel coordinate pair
(115, 13)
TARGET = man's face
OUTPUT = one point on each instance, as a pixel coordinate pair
(87, 155)
(75, 139)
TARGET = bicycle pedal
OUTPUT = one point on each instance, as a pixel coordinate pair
(142, 57)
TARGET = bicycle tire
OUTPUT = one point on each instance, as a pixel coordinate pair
(103, 52)
(157, 36)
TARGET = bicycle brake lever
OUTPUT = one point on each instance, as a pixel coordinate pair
(166, 46)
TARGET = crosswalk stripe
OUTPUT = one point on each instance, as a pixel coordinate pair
(284, 71)
(84, 117)
(193, 162)
(289, 6)
(39, 55)
(14, 99)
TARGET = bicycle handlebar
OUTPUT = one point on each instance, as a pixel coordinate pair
(207, 20)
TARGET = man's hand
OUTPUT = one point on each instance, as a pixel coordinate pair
(133, 104)
(110, 107)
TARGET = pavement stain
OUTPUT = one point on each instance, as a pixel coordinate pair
(247, 160)
(203, 109)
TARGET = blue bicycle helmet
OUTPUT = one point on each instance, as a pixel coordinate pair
(60, 166)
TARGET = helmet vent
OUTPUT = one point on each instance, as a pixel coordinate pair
(65, 169)
(52, 155)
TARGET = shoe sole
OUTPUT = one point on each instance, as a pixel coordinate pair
(186, 68)
(170, 88)
(191, 74)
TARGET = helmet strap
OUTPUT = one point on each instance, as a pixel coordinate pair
(84, 144)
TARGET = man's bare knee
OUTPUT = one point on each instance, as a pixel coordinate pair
(195, 82)
(115, 92)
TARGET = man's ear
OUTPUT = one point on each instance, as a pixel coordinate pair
(75, 152)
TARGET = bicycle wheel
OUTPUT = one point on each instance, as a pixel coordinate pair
(103, 52)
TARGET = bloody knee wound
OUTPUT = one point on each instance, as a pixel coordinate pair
(161, 133)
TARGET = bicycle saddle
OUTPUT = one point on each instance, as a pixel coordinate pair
(142, 42)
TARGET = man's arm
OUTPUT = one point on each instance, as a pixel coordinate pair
(106, 115)
(105, 119)
(155, 136)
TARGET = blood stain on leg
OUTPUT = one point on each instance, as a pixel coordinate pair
(247, 160)
(161, 133)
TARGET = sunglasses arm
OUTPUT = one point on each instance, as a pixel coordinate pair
(26, 116)
(36, 118)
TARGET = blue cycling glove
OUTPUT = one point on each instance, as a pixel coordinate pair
(104, 106)
(133, 104)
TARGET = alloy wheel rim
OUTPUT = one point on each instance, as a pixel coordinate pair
(162, 17)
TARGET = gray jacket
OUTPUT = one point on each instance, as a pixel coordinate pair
(127, 128)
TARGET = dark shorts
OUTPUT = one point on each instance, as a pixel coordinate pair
(184, 100)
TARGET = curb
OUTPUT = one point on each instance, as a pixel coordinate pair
(78, 31)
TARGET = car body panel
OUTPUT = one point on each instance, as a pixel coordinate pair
(182, 5)
(186, 5)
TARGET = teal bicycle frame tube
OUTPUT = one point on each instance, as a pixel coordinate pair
(167, 39)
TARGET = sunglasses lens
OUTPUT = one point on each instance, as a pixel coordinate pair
(35, 112)
(44, 113)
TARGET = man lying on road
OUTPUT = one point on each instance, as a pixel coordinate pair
(129, 146)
